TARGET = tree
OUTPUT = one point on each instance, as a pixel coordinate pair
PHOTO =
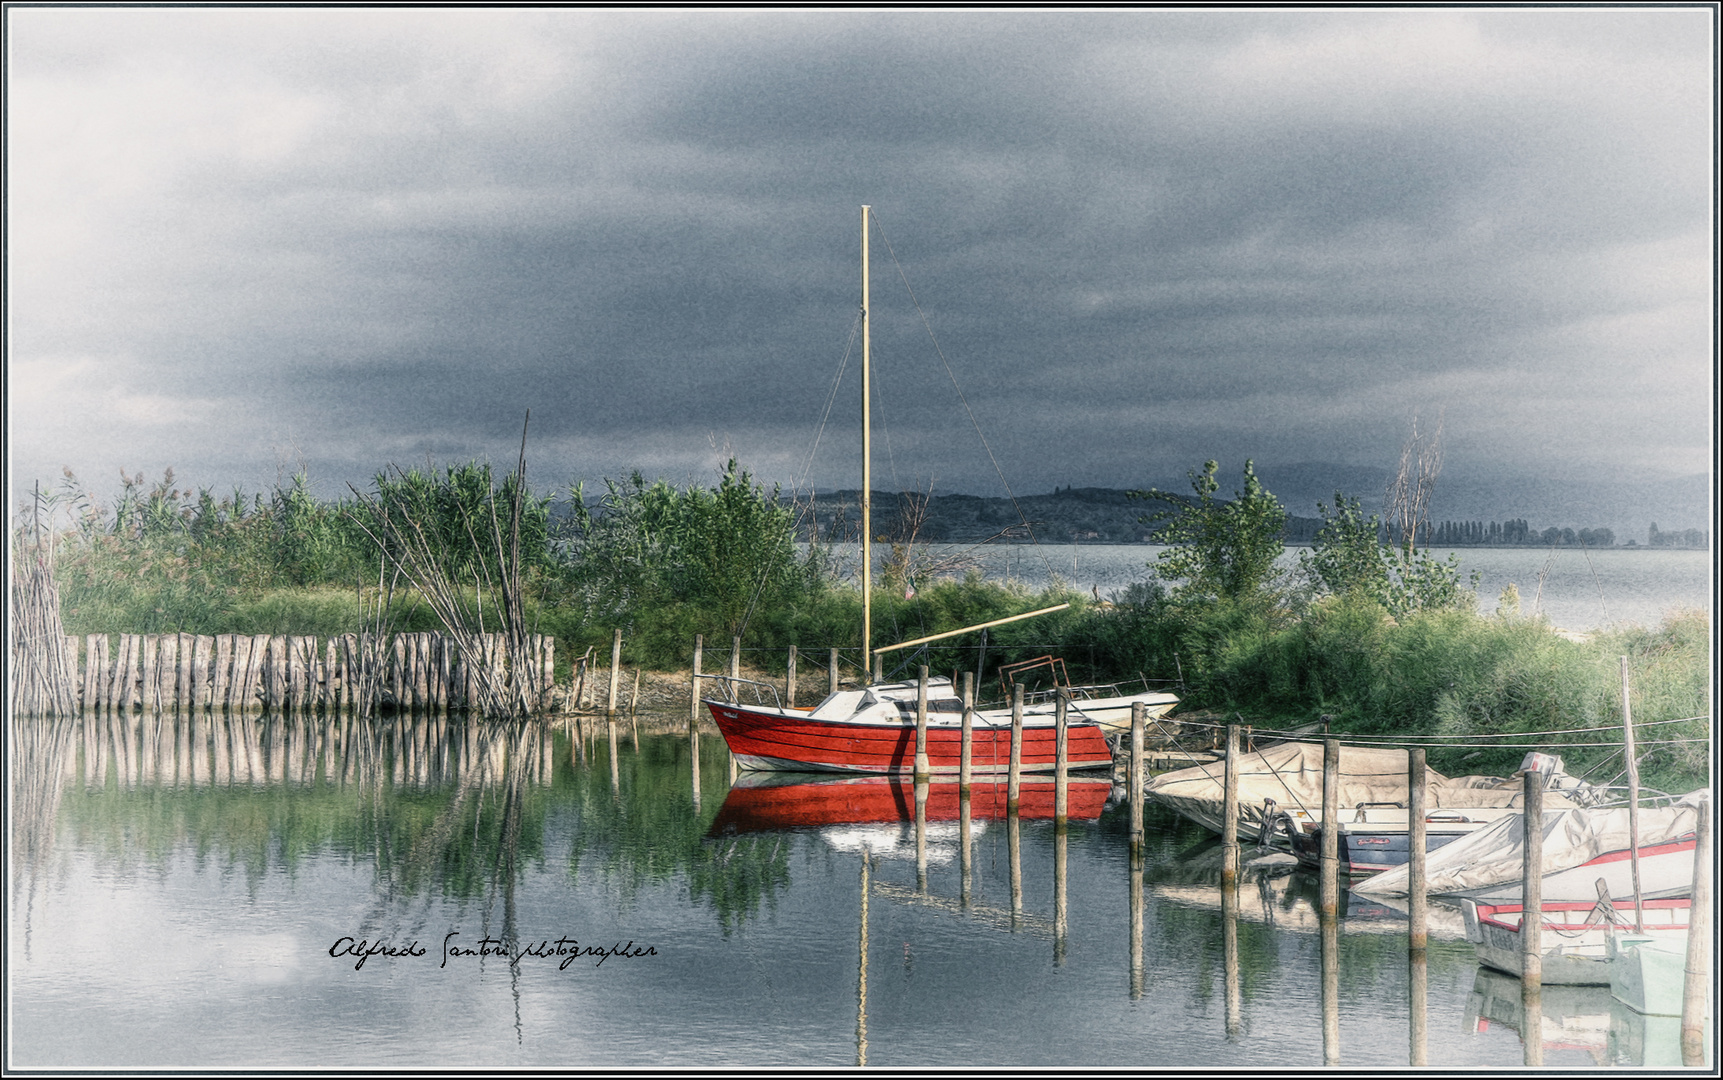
(1218, 548)
(723, 551)
(1347, 555)
(1349, 558)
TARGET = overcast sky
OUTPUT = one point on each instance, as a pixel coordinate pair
(242, 241)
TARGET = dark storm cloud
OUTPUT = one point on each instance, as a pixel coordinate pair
(244, 237)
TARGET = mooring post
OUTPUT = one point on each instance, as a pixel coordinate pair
(965, 838)
(615, 672)
(921, 724)
(1531, 920)
(966, 751)
(1330, 865)
(1014, 773)
(1229, 813)
(1139, 717)
(832, 673)
(1416, 842)
(1700, 927)
(735, 669)
(1632, 799)
(878, 668)
(1014, 851)
(790, 679)
(1417, 959)
(1061, 781)
(694, 711)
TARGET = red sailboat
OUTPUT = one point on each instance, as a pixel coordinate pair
(873, 730)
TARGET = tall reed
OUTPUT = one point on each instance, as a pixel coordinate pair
(418, 524)
(42, 665)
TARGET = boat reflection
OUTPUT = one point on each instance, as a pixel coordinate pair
(1576, 1018)
(767, 802)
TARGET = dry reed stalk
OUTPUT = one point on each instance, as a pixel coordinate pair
(43, 673)
(506, 682)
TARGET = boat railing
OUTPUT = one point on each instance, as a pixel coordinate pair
(1075, 693)
(732, 688)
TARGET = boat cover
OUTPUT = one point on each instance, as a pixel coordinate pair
(1291, 775)
(1494, 854)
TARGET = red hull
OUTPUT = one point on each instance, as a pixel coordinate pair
(869, 800)
(768, 739)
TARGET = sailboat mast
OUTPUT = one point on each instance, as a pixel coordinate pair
(867, 469)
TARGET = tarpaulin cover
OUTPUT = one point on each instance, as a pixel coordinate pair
(1494, 855)
(1291, 775)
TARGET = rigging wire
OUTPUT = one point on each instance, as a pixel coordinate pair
(831, 399)
(1351, 737)
(960, 396)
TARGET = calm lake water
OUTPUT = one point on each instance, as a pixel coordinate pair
(1574, 588)
(177, 888)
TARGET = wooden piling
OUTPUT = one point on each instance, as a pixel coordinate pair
(965, 858)
(1134, 777)
(182, 672)
(1229, 812)
(124, 663)
(1014, 777)
(1632, 799)
(203, 672)
(790, 680)
(255, 692)
(1014, 851)
(1061, 762)
(1330, 863)
(1700, 928)
(95, 669)
(151, 698)
(832, 673)
(1531, 920)
(966, 742)
(615, 671)
(878, 668)
(921, 764)
(694, 711)
(735, 668)
(1417, 938)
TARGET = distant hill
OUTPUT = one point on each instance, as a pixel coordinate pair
(1111, 516)
(1095, 515)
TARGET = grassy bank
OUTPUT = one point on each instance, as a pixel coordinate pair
(665, 564)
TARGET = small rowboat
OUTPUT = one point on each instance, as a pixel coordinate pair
(1575, 942)
(1378, 838)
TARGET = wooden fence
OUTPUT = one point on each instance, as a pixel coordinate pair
(285, 673)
